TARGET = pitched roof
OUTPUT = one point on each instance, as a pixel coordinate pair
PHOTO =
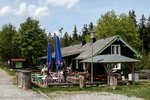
(70, 50)
(110, 59)
(85, 51)
(67, 51)
(97, 46)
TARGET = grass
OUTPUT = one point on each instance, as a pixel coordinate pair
(140, 89)
(10, 72)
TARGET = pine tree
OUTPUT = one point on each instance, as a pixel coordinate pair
(84, 31)
(70, 41)
(132, 15)
(75, 35)
(147, 37)
(91, 26)
(65, 40)
(142, 29)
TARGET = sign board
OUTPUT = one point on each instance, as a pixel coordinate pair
(18, 64)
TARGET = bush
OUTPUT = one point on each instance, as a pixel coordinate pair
(145, 62)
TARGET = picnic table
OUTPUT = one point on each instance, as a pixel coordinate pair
(38, 78)
(54, 77)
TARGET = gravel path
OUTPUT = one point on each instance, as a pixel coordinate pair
(91, 96)
(8, 91)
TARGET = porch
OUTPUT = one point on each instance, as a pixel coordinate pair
(107, 65)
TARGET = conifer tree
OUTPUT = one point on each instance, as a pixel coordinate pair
(132, 15)
(142, 31)
(147, 37)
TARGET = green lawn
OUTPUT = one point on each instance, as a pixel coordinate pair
(140, 89)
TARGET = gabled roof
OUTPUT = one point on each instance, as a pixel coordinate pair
(70, 50)
(67, 51)
(85, 51)
(100, 45)
(84, 47)
(110, 59)
(97, 46)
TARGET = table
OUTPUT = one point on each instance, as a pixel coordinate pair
(38, 78)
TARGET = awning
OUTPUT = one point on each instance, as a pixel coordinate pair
(110, 59)
(17, 59)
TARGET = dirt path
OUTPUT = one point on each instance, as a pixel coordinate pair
(5, 79)
(8, 91)
(84, 95)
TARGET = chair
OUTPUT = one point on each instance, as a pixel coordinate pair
(47, 80)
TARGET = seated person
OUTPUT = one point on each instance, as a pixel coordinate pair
(44, 70)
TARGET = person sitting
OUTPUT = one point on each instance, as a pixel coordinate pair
(43, 70)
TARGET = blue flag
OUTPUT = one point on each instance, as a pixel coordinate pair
(49, 56)
(58, 55)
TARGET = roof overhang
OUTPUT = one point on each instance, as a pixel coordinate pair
(110, 59)
(63, 55)
(18, 59)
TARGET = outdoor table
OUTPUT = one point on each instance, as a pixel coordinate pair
(41, 78)
(34, 77)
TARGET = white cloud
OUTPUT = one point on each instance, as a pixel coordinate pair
(19, 1)
(5, 10)
(42, 11)
(57, 33)
(22, 9)
(62, 3)
(32, 10)
(26, 10)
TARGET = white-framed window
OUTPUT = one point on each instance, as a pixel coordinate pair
(115, 49)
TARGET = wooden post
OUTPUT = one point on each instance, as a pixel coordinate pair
(132, 68)
(82, 82)
(113, 82)
(133, 74)
(77, 65)
(84, 68)
(17, 77)
(24, 79)
(108, 73)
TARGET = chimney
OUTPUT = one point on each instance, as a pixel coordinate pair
(83, 41)
(93, 39)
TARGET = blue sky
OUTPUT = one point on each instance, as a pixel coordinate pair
(54, 14)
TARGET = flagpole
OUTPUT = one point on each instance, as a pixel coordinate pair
(92, 37)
